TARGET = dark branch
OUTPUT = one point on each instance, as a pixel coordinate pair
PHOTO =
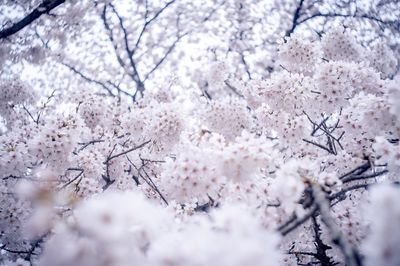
(351, 256)
(45, 7)
(85, 77)
(295, 19)
(111, 157)
(394, 24)
(148, 22)
(163, 58)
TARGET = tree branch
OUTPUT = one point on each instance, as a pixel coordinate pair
(295, 19)
(45, 7)
(351, 256)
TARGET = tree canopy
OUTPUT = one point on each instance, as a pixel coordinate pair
(212, 132)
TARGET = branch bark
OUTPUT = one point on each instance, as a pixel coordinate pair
(350, 254)
(45, 7)
(295, 19)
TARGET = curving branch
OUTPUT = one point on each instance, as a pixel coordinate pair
(170, 49)
(295, 18)
(127, 55)
(395, 24)
(45, 7)
(299, 17)
(356, 174)
(88, 79)
(149, 21)
(109, 86)
(350, 254)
